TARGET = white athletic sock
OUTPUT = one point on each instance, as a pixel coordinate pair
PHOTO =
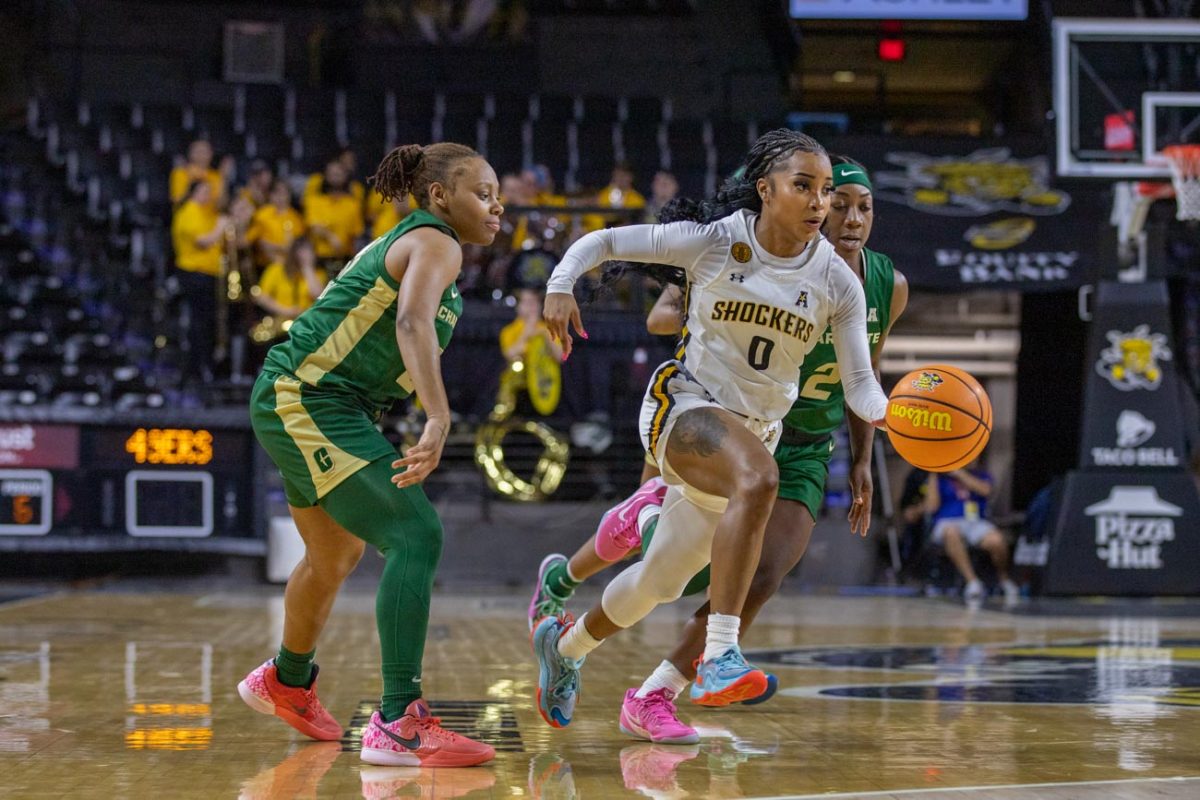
(665, 676)
(722, 634)
(577, 642)
(647, 515)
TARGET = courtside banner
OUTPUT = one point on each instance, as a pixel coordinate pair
(957, 215)
(1132, 416)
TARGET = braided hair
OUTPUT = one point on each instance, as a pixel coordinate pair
(767, 153)
(411, 169)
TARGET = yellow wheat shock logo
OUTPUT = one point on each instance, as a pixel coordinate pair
(927, 382)
(983, 182)
(923, 417)
(1131, 361)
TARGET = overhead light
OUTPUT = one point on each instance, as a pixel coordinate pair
(843, 76)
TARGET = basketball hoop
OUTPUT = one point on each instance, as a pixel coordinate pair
(1185, 174)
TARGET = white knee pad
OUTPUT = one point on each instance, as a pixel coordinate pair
(681, 547)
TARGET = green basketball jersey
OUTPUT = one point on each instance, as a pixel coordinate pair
(347, 340)
(820, 404)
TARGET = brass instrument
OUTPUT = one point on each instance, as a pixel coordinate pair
(539, 374)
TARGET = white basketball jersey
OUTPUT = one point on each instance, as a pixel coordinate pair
(751, 317)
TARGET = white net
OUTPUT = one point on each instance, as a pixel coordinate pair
(1185, 174)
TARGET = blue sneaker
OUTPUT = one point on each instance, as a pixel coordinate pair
(544, 604)
(772, 685)
(558, 677)
(727, 679)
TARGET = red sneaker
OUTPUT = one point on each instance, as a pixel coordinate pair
(295, 705)
(418, 739)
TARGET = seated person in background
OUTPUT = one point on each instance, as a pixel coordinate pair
(258, 184)
(957, 501)
(390, 214)
(198, 167)
(349, 164)
(539, 183)
(334, 215)
(516, 336)
(276, 225)
(618, 194)
(663, 189)
(288, 287)
(517, 193)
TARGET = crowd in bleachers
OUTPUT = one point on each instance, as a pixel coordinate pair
(191, 234)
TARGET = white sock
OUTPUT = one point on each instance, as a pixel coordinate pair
(577, 642)
(722, 634)
(647, 515)
(665, 676)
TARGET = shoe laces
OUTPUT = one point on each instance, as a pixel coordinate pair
(659, 706)
(549, 606)
(568, 681)
(731, 659)
(433, 726)
(628, 538)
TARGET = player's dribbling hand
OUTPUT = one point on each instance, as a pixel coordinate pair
(423, 457)
(561, 311)
(862, 491)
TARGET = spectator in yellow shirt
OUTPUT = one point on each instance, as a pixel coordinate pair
(391, 214)
(258, 185)
(349, 163)
(517, 193)
(516, 335)
(276, 225)
(288, 287)
(198, 167)
(663, 190)
(618, 194)
(333, 216)
(198, 233)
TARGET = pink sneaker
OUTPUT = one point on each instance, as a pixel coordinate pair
(295, 705)
(618, 532)
(418, 739)
(654, 718)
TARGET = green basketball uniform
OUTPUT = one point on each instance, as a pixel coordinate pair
(315, 404)
(806, 442)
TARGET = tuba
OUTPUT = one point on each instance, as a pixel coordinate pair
(540, 375)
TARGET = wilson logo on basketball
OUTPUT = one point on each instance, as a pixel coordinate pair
(923, 417)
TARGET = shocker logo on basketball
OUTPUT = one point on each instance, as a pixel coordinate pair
(1130, 361)
(323, 459)
(927, 382)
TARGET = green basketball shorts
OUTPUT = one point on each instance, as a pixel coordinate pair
(316, 438)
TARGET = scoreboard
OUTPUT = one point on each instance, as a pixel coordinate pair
(181, 484)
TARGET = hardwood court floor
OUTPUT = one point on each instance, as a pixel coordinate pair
(132, 694)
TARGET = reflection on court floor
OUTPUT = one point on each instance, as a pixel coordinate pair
(133, 695)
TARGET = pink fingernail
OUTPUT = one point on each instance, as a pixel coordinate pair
(584, 334)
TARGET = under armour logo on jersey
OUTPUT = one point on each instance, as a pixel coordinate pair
(872, 315)
(737, 277)
(802, 300)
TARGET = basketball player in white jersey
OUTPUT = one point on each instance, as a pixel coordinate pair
(763, 284)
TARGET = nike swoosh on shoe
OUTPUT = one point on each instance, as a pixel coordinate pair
(412, 744)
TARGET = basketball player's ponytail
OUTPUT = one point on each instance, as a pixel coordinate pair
(411, 168)
(738, 192)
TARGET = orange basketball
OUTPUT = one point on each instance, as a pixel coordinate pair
(939, 418)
